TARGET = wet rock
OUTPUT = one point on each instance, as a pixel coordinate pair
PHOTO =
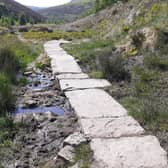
(28, 73)
(31, 103)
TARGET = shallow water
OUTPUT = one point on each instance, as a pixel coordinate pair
(39, 82)
(54, 110)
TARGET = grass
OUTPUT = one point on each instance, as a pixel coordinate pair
(25, 53)
(96, 74)
(149, 110)
(6, 126)
(148, 100)
(83, 155)
(86, 52)
(98, 56)
(58, 35)
(6, 96)
(154, 61)
(9, 63)
(14, 56)
(155, 16)
(42, 64)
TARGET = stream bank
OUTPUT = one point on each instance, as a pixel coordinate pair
(45, 119)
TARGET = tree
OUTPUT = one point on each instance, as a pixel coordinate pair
(23, 19)
(97, 5)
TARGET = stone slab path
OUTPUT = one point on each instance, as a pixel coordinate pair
(76, 84)
(117, 140)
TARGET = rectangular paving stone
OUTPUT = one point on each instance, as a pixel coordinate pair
(52, 52)
(72, 84)
(72, 76)
(65, 64)
(66, 68)
(62, 57)
(94, 103)
(111, 127)
(129, 152)
(61, 62)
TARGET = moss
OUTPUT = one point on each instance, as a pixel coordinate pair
(83, 155)
(96, 74)
(132, 52)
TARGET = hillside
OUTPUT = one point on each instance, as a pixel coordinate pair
(35, 8)
(68, 12)
(12, 11)
(128, 46)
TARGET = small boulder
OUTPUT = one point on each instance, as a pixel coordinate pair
(28, 73)
(75, 166)
(31, 103)
(67, 153)
(75, 139)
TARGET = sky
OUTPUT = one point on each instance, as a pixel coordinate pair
(42, 3)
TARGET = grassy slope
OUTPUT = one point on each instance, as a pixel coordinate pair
(11, 8)
(68, 12)
(147, 100)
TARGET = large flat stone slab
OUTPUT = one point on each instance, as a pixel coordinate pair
(54, 42)
(61, 62)
(130, 152)
(94, 103)
(111, 127)
(72, 76)
(65, 64)
(72, 84)
(55, 52)
(59, 57)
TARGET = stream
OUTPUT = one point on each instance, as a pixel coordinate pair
(38, 82)
(47, 119)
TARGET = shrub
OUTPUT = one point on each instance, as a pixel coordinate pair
(113, 67)
(154, 61)
(147, 110)
(147, 102)
(9, 64)
(23, 53)
(143, 81)
(6, 97)
(6, 125)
